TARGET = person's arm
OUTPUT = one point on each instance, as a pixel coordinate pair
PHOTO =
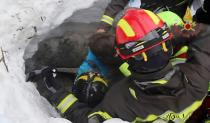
(70, 107)
(197, 67)
(49, 86)
(114, 7)
(77, 112)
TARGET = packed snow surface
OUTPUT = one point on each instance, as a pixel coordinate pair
(20, 20)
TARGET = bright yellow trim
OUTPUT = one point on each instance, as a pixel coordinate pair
(161, 81)
(99, 79)
(63, 101)
(105, 115)
(154, 17)
(178, 59)
(124, 69)
(123, 24)
(170, 115)
(84, 77)
(150, 117)
(164, 32)
(183, 115)
(207, 121)
(107, 19)
(66, 103)
(209, 87)
(164, 47)
(175, 61)
(144, 55)
(188, 16)
(184, 49)
(133, 93)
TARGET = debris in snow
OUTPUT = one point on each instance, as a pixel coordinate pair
(43, 18)
(35, 29)
(2, 59)
(20, 28)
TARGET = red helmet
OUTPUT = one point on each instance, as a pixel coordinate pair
(138, 31)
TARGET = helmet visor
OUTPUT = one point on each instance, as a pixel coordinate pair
(152, 39)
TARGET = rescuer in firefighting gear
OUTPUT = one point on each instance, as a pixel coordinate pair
(179, 7)
(107, 66)
(154, 89)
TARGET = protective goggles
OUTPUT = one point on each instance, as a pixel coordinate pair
(152, 39)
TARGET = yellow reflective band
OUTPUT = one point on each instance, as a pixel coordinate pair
(107, 19)
(150, 117)
(105, 115)
(133, 93)
(176, 61)
(144, 55)
(124, 69)
(188, 16)
(207, 121)
(184, 49)
(209, 87)
(170, 115)
(84, 77)
(183, 115)
(66, 103)
(155, 18)
(123, 24)
(99, 79)
(164, 47)
(161, 81)
(164, 32)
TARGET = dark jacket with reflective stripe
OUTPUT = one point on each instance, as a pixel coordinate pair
(140, 97)
(115, 6)
(146, 97)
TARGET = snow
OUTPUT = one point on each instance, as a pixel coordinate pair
(20, 102)
(115, 120)
(20, 20)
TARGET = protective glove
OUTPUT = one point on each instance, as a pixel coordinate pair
(90, 88)
(45, 80)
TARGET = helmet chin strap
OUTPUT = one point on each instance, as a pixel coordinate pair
(144, 55)
(165, 49)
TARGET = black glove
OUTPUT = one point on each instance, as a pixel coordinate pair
(90, 88)
(45, 80)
